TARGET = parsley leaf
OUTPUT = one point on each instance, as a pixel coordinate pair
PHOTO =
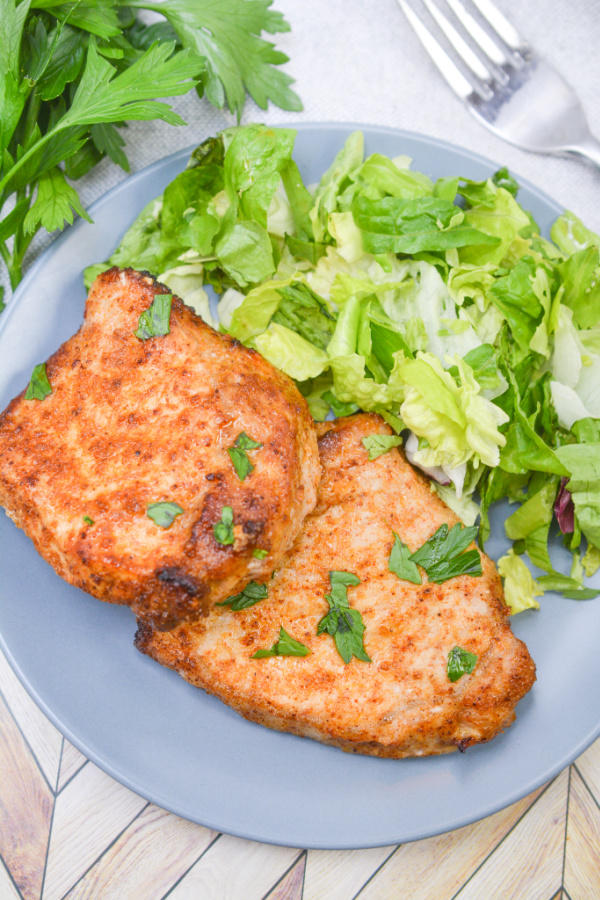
(378, 444)
(55, 204)
(155, 321)
(252, 593)
(223, 530)
(73, 73)
(239, 457)
(258, 553)
(345, 625)
(163, 513)
(241, 462)
(460, 662)
(445, 555)
(227, 35)
(39, 387)
(105, 96)
(286, 645)
(401, 562)
(246, 443)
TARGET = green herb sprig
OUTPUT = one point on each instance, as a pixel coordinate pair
(164, 512)
(252, 593)
(443, 556)
(73, 74)
(239, 456)
(156, 320)
(345, 625)
(285, 645)
(39, 386)
(223, 529)
(460, 662)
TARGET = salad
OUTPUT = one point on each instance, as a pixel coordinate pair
(436, 304)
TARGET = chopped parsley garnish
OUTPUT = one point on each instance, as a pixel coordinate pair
(246, 443)
(345, 625)
(223, 529)
(252, 593)
(378, 444)
(257, 553)
(88, 520)
(163, 513)
(39, 386)
(445, 555)
(155, 321)
(401, 563)
(239, 457)
(286, 645)
(460, 662)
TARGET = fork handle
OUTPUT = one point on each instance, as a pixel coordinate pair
(590, 148)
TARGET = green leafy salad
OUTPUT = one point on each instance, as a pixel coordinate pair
(436, 304)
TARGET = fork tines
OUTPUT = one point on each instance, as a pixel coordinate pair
(486, 45)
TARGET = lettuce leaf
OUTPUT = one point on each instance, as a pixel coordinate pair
(412, 226)
(456, 424)
(291, 353)
(583, 464)
(520, 589)
(349, 158)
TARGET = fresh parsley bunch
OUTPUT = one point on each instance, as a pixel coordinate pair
(73, 73)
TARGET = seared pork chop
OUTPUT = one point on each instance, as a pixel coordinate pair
(132, 422)
(403, 703)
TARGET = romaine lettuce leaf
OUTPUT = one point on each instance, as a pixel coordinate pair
(349, 158)
(456, 424)
(291, 353)
(580, 276)
(412, 226)
(520, 589)
(504, 220)
(570, 234)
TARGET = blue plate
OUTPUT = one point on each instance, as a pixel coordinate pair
(186, 751)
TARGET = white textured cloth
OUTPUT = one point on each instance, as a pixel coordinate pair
(359, 61)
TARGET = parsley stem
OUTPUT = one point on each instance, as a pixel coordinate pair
(33, 110)
(28, 153)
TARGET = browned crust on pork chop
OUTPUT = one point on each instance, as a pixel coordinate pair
(132, 422)
(403, 703)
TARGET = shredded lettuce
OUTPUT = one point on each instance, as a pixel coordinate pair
(437, 304)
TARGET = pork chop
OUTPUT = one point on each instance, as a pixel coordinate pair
(403, 702)
(190, 420)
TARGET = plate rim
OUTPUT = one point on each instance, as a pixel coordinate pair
(126, 780)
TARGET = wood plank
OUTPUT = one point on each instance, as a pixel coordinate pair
(147, 859)
(70, 762)
(25, 809)
(529, 862)
(438, 867)
(43, 738)
(89, 814)
(290, 886)
(339, 874)
(582, 863)
(8, 890)
(589, 766)
(235, 869)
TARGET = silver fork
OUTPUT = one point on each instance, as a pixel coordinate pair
(513, 92)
